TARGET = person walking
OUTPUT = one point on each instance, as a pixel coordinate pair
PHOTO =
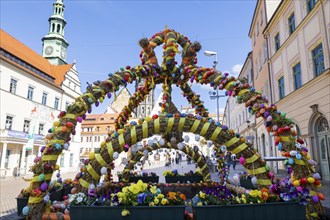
(228, 159)
(233, 160)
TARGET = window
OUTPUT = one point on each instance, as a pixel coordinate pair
(97, 128)
(30, 93)
(318, 60)
(95, 138)
(297, 76)
(310, 5)
(13, 85)
(260, 62)
(108, 128)
(57, 100)
(41, 128)
(265, 51)
(292, 24)
(257, 28)
(9, 122)
(44, 98)
(62, 161)
(254, 39)
(71, 159)
(82, 140)
(26, 125)
(277, 41)
(261, 17)
(281, 87)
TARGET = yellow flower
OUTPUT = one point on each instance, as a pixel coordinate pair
(125, 212)
(160, 196)
(153, 189)
(202, 195)
(156, 201)
(164, 201)
(125, 189)
(243, 196)
(142, 185)
(134, 188)
(254, 193)
(151, 204)
(243, 200)
(199, 204)
(121, 197)
(238, 200)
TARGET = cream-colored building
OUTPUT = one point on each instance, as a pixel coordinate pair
(33, 92)
(298, 36)
(263, 12)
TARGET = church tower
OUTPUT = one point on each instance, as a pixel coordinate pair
(54, 44)
(145, 107)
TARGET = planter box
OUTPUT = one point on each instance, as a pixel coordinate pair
(183, 179)
(21, 203)
(56, 196)
(246, 183)
(145, 179)
(136, 212)
(265, 211)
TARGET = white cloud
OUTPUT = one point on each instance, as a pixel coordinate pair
(236, 69)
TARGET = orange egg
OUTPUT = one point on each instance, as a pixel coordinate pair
(321, 196)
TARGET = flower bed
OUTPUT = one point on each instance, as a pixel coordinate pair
(145, 177)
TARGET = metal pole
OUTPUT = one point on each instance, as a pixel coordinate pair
(215, 67)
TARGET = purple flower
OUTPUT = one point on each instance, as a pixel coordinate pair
(142, 198)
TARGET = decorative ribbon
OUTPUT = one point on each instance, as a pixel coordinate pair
(239, 148)
(110, 149)
(84, 183)
(118, 76)
(55, 141)
(156, 126)
(144, 129)
(181, 123)
(133, 135)
(252, 159)
(100, 159)
(90, 95)
(169, 125)
(49, 157)
(231, 141)
(71, 116)
(195, 126)
(121, 141)
(204, 167)
(257, 171)
(264, 182)
(204, 129)
(299, 162)
(47, 177)
(35, 199)
(285, 138)
(92, 172)
(199, 159)
(217, 79)
(242, 92)
(228, 85)
(215, 133)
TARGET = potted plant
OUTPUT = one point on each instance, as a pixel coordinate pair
(22, 200)
(174, 177)
(67, 187)
(137, 201)
(145, 177)
(245, 181)
(55, 190)
(256, 204)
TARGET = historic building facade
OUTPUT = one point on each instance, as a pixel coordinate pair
(298, 36)
(34, 89)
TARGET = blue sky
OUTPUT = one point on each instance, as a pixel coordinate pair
(103, 35)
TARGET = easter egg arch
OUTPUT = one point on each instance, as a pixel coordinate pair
(195, 155)
(169, 120)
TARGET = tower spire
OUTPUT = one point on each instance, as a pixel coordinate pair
(54, 44)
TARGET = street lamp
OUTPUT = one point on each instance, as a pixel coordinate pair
(214, 94)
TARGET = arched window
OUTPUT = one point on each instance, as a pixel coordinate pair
(58, 28)
(53, 27)
(322, 125)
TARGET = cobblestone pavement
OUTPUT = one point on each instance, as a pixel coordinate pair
(10, 187)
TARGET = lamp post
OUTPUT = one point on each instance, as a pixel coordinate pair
(214, 94)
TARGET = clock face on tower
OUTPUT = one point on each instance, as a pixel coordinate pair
(49, 50)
